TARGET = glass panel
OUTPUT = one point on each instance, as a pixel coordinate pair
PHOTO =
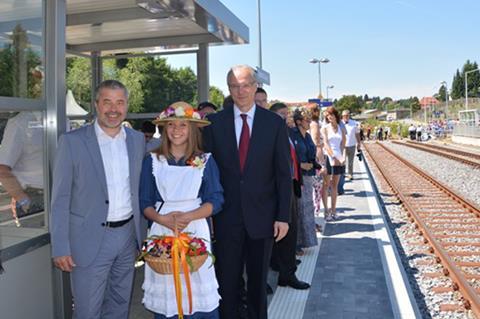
(21, 48)
(79, 89)
(22, 214)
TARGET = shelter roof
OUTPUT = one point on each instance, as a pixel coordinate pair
(135, 25)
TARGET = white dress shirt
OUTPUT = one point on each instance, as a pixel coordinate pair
(352, 128)
(239, 121)
(116, 165)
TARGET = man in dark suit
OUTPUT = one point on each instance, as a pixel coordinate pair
(283, 254)
(250, 145)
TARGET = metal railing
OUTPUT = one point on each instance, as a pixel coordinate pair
(468, 131)
(454, 106)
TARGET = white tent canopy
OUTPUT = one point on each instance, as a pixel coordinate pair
(73, 109)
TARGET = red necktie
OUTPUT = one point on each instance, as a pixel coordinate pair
(244, 141)
(296, 176)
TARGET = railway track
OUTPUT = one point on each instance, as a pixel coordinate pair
(468, 158)
(448, 224)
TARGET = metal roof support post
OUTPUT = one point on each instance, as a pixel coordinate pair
(97, 76)
(55, 124)
(203, 81)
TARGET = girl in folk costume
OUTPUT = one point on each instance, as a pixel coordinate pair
(180, 187)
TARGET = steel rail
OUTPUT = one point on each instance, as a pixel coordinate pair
(471, 298)
(448, 149)
(447, 154)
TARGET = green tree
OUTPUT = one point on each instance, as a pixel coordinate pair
(473, 79)
(184, 86)
(458, 88)
(384, 103)
(20, 75)
(216, 96)
(109, 69)
(376, 103)
(442, 93)
(79, 80)
(152, 83)
(415, 103)
(133, 76)
(349, 102)
(6, 71)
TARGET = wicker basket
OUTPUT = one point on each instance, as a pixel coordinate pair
(163, 265)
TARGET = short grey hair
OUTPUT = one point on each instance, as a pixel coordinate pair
(242, 67)
(112, 85)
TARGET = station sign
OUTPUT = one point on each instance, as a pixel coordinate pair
(321, 103)
(262, 76)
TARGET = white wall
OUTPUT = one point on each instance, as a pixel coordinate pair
(26, 286)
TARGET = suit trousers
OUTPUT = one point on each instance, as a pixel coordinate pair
(103, 289)
(350, 152)
(234, 251)
(283, 254)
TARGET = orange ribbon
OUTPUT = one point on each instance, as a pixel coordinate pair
(179, 258)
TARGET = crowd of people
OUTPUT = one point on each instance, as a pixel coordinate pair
(250, 177)
(378, 133)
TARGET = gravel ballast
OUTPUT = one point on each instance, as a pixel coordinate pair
(462, 178)
(418, 265)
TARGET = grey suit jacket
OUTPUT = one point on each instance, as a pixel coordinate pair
(80, 195)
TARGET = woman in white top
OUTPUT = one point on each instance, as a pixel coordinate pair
(334, 137)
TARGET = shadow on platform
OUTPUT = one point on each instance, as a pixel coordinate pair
(342, 228)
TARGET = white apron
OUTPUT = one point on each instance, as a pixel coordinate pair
(179, 186)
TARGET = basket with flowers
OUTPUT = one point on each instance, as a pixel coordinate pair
(162, 253)
(174, 255)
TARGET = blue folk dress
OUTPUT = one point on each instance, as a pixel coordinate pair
(169, 186)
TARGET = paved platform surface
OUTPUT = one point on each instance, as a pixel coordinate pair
(345, 270)
(349, 280)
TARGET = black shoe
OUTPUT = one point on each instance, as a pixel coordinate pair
(298, 262)
(269, 290)
(340, 193)
(243, 312)
(294, 283)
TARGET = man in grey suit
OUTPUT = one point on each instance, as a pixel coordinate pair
(96, 225)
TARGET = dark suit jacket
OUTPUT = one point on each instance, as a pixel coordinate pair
(261, 195)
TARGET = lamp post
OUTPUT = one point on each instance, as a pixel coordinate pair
(446, 98)
(329, 87)
(319, 61)
(466, 87)
(259, 35)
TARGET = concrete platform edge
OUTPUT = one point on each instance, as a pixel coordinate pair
(401, 296)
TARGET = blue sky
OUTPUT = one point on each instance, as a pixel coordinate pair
(395, 48)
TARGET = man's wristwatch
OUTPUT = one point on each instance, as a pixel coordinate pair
(24, 202)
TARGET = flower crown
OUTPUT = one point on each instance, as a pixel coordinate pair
(187, 112)
(181, 111)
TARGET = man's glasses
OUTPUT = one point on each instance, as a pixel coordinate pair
(237, 87)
